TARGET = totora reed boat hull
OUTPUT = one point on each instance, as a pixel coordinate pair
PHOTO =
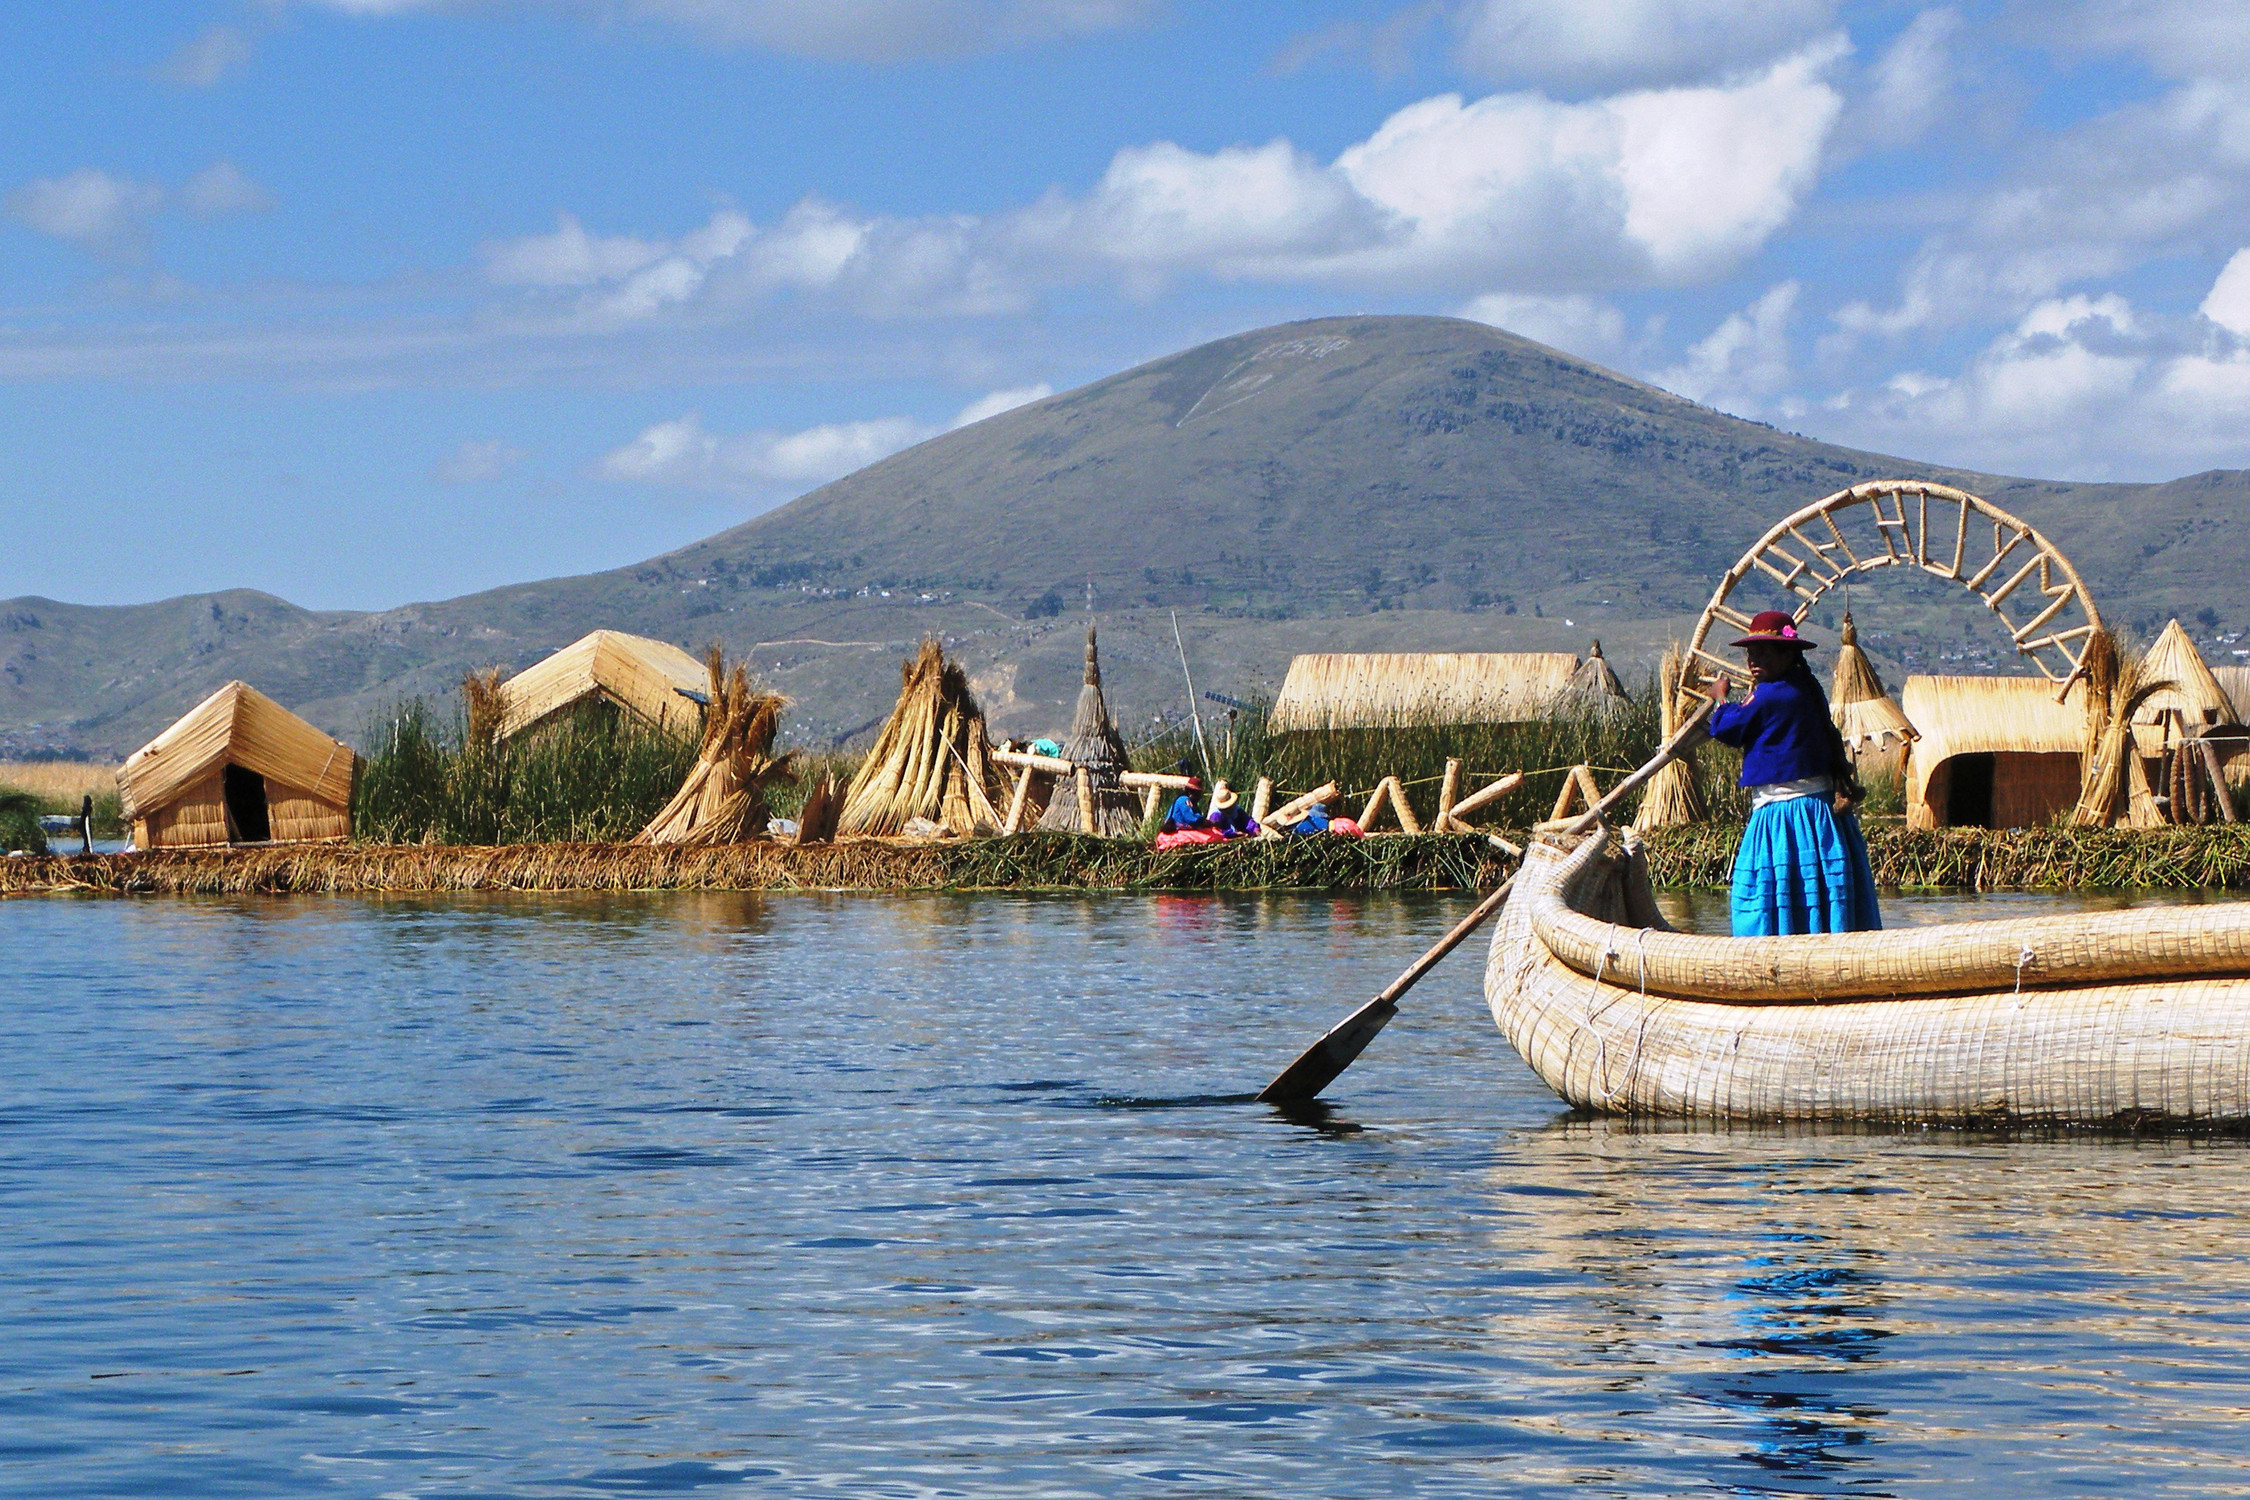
(2137, 1015)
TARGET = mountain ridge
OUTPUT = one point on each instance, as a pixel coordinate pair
(1337, 483)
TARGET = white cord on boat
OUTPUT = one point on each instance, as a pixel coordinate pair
(2023, 960)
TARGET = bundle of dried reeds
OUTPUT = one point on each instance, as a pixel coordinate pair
(723, 800)
(2113, 783)
(1098, 750)
(932, 759)
(1674, 797)
(480, 693)
(1874, 728)
(816, 820)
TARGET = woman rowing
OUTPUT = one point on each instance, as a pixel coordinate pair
(1803, 865)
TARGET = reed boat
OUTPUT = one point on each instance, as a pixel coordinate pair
(2140, 1015)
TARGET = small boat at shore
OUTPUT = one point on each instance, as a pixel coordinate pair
(2126, 1016)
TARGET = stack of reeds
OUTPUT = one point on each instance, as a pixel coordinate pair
(1674, 798)
(1875, 730)
(2113, 784)
(723, 800)
(932, 760)
(1098, 750)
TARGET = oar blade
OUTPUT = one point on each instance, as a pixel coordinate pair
(1318, 1066)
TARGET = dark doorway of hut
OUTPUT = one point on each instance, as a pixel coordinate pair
(246, 807)
(1968, 791)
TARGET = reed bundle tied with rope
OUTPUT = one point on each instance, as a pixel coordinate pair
(723, 799)
(932, 760)
(2113, 785)
(1674, 798)
(1099, 752)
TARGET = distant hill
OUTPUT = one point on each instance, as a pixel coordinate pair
(1344, 483)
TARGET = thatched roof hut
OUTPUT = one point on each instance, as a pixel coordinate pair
(653, 680)
(2194, 692)
(1993, 752)
(932, 761)
(1875, 730)
(238, 768)
(2234, 681)
(1596, 681)
(1380, 690)
(1095, 745)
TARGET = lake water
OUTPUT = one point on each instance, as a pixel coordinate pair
(922, 1196)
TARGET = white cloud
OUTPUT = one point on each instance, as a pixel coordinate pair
(1575, 324)
(87, 206)
(1742, 361)
(870, 31)
(477, 462)
(1513, 193)
(207, 58)
(2186, 38)
(1911, 83)
(219, 189)
(682, 454)
(999, 401)
(1614, 44)
(2228, 302)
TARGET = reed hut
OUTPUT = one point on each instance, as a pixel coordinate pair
(1992, 752)
(723, 799)
(1595, 682)
(1382, 690)
(1098, 750)
(238, 768)
(655, 681)
(2190, 701)
(2234, 681)
(1875, 729)
(931, 762)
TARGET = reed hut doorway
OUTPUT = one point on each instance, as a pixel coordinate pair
(245, 794)
(2015, 572)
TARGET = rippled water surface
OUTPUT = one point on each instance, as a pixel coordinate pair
(962, 1196)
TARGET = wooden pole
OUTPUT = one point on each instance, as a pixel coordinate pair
(1318, 1065)
(1200, 743)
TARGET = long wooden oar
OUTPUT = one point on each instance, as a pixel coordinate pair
(1318, 1066)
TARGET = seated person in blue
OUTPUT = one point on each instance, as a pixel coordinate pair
(1183, 813)
(1803, 865)
(1230, 820)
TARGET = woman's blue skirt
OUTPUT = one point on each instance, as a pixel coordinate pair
(1803, 868)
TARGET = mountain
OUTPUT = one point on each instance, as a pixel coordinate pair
(1338, 484)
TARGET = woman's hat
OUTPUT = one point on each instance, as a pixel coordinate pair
(1774, 627)
(1222, 796)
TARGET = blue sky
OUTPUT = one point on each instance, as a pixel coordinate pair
(365, 301)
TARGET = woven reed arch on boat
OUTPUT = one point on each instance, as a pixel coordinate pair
(2022, 577)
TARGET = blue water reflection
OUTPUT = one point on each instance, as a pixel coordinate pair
(962, 1195)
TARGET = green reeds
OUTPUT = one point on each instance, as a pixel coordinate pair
(19, 822)
(591, 773)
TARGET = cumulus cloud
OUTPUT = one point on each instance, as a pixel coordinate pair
(101, 212)
(87, 206)
(1630, 43)
(209, 57)
(681, 453)
(1743, 361)
(220, 189)
(2083, 386)
(477, 462)
(2228, 302)
(1575, 324)
(1513, 193)
(869, 31)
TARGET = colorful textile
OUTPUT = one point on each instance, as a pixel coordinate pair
(1187, 838)
(1783, 732)
(1348, 827)
(1315, 820)
(1803, 868)
(1234, 822)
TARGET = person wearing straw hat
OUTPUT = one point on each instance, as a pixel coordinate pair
(1227, 816)
(1803, 864)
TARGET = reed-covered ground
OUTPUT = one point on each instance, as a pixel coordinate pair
(2031, 858)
